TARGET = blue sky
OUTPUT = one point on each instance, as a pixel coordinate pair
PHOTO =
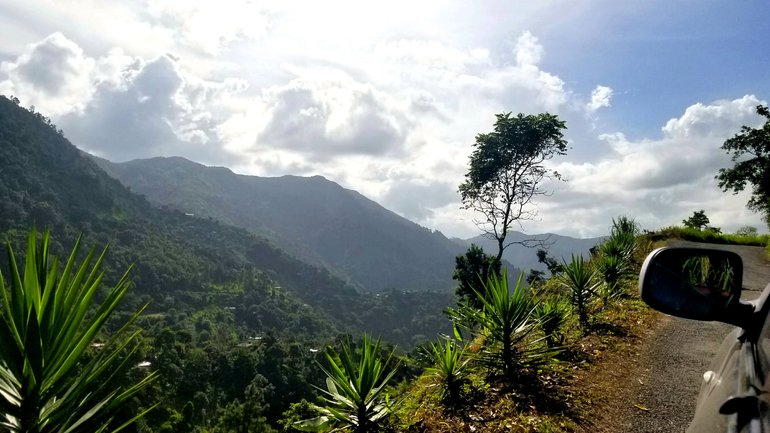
(386, 97)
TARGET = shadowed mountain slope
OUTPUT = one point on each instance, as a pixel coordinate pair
(183, 262)
(312, 218)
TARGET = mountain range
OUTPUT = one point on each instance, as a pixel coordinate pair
(312, 218)
(205, 234)
(185, 263)
(324, 224)
(558, 247)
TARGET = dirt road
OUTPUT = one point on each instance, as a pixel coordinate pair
(657, 392)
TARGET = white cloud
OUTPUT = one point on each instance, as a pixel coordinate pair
(601, 96)
(53, 74)
(123, 107)
(326, 113)
(528, 50)
(157, 110)
(209, 26)
(658, 181)
(701, 120)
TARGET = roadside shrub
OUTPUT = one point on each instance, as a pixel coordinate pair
(580, 279)
(449, 368)
(708, 236)
(552, 313)
(505, 322)
(644, 246)
(613, 269)
(50, 318)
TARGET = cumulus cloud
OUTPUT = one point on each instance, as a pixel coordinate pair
(600, 97)
(122, 107)
(528, 50)
(701, 121)
(659, 181)
(53, 72)
(325, 114)
(155, 111)
(463, 79)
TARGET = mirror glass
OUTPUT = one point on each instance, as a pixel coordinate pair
(692, 283)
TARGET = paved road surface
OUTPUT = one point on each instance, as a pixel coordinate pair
(668, 373)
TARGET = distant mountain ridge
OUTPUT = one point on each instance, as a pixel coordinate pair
(313, 218)
(186, 264)
(558, 246)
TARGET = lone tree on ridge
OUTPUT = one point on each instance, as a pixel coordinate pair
(506, 172)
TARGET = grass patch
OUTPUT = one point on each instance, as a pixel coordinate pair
(709, 236)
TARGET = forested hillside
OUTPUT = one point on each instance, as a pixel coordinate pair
(226, 308)
(312, 218)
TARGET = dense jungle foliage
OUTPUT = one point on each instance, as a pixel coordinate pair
(231, 321)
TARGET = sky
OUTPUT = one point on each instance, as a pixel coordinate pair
(386, 98)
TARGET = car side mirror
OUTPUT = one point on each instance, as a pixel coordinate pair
(695, 283)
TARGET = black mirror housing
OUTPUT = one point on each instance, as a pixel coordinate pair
(695, 283)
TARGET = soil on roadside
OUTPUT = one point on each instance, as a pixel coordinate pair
(651, 385)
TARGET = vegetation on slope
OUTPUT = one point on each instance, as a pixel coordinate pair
(234, 325)
(708, 236)
(237, 329)
(312, 218)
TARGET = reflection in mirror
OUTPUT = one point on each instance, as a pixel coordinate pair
(692, 283)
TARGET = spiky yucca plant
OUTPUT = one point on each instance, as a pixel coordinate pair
(355, 392)
(505, 320)
(449, 367)
(580, 279)
(552, 313)
(615, 260)
(49, 320)
(612, 269)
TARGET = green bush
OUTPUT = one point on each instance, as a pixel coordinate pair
(449, 368)
(552, 313)
(505, 321)
(355, 391)
(582, 282)
(708, 236)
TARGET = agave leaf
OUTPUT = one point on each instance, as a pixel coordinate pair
(45, 330)
(354, 387)
(312, 425)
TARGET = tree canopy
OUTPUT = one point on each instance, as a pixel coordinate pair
(750, 151)
(506, 171)
(472, 271)
(698, 220)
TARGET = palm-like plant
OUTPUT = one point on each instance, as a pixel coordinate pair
(449, 367)
(49, 320)
(354, 394)
(506, 319)
(616, 257)
(612, 269)
(552, 313)
(580, 279)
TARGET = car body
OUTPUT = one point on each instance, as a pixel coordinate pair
(706, 284)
